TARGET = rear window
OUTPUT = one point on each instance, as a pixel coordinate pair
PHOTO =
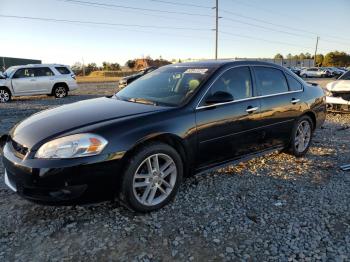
(63, 70)
(294, 85)
(42, 71)
(270, 81)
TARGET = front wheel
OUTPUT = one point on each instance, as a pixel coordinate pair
(301, 136)
(5, 95)
(60, 91)
(151, 178)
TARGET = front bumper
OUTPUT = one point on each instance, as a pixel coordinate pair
(61, 182)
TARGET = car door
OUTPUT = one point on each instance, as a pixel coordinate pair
(24, 81)
(228, 130)
(280, 104)
(44, 79)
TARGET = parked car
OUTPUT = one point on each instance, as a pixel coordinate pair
(129, 79)
(140, 143)
(315, 72)
(335, 72)
(295, 70)
(338, 94)
(38, 79)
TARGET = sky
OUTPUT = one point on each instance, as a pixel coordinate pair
(118, 30)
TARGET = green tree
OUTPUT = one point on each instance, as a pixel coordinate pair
(278, 56)
(336, 59)
(302, 56)
(130, 64)
(289, 56)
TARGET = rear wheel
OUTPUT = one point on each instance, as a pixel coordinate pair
(301, 136)
(151, 178)
(5, 95)
(60, 91)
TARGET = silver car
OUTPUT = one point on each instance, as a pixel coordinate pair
(38, 79)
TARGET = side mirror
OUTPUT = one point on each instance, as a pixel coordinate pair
(219, 97)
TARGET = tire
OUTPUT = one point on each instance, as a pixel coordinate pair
(138, 186)
(5, 95)
(304, 75)
(298, 148)
(60, 91)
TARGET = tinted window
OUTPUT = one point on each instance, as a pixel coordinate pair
(168, 85)
(345, 76)
(24, 72)
(236, 81)
(270, 81)
(42, 71)
(294, 85)
(63, 70)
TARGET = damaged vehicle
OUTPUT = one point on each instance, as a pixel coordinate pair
(338, 94)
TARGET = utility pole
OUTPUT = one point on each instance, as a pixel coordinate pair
(216, 28)
(83, 67)
(316, 50)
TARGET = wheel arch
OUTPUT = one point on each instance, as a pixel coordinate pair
(60, 84)
(6, 88)
(312, 115)
(170, 139)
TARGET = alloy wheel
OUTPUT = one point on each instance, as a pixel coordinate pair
(154, 179)
(60, 92)
(4, 96)
(303, 136)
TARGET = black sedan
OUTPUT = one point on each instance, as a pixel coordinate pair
(129, 79)
(182, 119)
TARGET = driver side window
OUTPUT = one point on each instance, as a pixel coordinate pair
(235, 81)
(24, 72)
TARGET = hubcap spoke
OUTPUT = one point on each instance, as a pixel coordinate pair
(146, 193)
(141, 184)
(152, 194)
(168, 171)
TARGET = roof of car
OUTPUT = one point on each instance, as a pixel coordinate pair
(220, 63)
(37, 65)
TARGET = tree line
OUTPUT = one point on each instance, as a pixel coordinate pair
(336, 58)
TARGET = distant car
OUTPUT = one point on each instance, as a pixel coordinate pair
(39, 79)
(295, 70)
(179, 120)
(129, 79)
(335, 72)
(314, 72)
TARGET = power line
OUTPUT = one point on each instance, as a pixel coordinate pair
(262, 39)
(133, 8)
(102, 23)
(181, 4)
(280, 25)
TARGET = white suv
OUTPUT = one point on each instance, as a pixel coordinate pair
(314, 72)
(39, 79)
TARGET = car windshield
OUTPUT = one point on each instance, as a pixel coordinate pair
(9, 71)
(169, 86)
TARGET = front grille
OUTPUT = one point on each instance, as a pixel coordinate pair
(19, 150)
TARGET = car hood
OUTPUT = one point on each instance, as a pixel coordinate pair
(339, 86)
(57, 121)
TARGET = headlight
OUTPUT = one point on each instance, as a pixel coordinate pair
(73, 146)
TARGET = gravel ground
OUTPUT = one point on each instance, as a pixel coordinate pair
(275, 208)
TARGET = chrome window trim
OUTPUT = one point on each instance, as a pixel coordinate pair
(245, 99)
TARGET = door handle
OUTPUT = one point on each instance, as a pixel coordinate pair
(251, 109)
(294, 101)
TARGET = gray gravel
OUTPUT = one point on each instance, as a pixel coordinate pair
(276, 208)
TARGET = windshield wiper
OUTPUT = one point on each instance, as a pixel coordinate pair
(142, 101)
